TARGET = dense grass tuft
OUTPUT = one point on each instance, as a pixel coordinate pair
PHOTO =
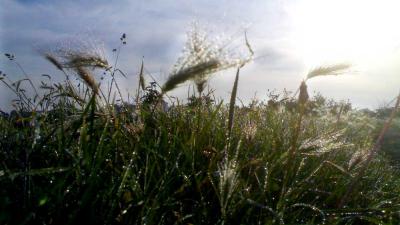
(74, 155)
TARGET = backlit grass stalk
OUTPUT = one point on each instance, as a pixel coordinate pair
(22, 99)
(141, 77)
(301, 107)
(372, 152)
(113, 82)
(27, 77)
(228, 172)
(232, 103)
(291, 158)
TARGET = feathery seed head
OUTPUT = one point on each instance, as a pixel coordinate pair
(328, 70)
(77, 52)
(193, 72)
(53, 61)
(203, 56)
(88, 78)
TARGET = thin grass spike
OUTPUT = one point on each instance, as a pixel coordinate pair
(141, 77)
(232, 103)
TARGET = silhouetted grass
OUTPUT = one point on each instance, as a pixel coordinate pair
(74, 156)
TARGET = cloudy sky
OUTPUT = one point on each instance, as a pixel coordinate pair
(289, 38)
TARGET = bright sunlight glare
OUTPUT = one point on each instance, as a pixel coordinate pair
(364, 33)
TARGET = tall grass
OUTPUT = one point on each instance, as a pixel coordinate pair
(81, 157)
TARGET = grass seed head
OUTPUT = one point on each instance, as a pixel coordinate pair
(200, 84)
(329, 70)
(82, 60)
(142, 81)
(303, 96)
(203, 56)
(88, 78)
(78, 52)
(190, 73)
(52, 59)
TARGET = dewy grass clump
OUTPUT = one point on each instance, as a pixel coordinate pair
(76, 155)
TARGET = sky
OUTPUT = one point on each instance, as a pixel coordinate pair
(289, 38)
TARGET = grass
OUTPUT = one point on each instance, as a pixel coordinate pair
(73, 155)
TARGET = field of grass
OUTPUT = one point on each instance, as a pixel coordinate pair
(74, 155)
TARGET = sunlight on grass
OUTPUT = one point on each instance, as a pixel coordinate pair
(79, 152)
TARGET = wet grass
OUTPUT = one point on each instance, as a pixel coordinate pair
(73, 155)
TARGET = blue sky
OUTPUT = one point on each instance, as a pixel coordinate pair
(156, 29)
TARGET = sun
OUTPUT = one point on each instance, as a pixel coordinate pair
(361, 32)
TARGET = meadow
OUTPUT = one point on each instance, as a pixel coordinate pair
(77, 152)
